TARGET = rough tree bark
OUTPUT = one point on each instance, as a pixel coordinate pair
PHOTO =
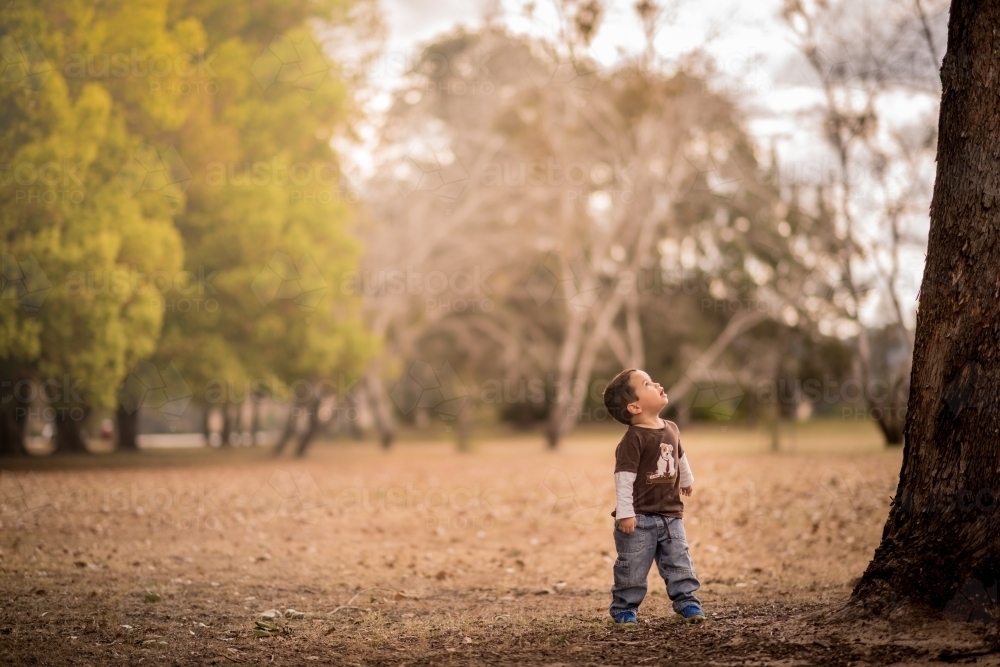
(944, 523)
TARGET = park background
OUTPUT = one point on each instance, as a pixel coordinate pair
(409, 246)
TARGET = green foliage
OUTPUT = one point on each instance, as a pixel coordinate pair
(64, 220)
(148, 227)
(265, 193)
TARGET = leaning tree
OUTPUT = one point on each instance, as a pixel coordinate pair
(944, 524)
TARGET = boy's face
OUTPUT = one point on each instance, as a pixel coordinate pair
(651, 398)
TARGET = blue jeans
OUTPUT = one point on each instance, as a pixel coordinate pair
(656, 538)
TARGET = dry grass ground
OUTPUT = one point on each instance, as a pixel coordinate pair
(426, 556)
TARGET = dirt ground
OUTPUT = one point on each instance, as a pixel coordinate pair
(423, 556)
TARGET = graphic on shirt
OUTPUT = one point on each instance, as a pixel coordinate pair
(665, 470)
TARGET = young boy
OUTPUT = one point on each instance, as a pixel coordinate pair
(651, 474)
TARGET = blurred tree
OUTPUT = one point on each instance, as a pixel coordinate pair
(267, 213)
(588, 199)
(943, 527)
(206, 114)
(72, 237)
(870, 208)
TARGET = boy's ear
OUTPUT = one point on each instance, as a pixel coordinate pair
(634, 408)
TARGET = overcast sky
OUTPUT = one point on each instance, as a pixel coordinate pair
(747, 28)
(748, 43)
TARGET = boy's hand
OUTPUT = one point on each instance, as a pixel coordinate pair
(686, 490)
(627, 525)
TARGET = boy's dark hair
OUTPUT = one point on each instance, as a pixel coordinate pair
(618, 394)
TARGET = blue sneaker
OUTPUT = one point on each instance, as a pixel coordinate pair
(626, 617)
(692, 614)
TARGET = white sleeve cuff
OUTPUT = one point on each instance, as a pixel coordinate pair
(623, 494)
(687, 477)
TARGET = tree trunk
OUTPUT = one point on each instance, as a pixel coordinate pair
(289, 432)
(239, 423)
(943, 526)
(891, 426)
(69, 439)
(580, 345)
(227, 425)
(311, 428)
(380, 406)
(128, 429)
(463, 429)
(206, 425)
(352, 403)
(254, 419)
(13, 423)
